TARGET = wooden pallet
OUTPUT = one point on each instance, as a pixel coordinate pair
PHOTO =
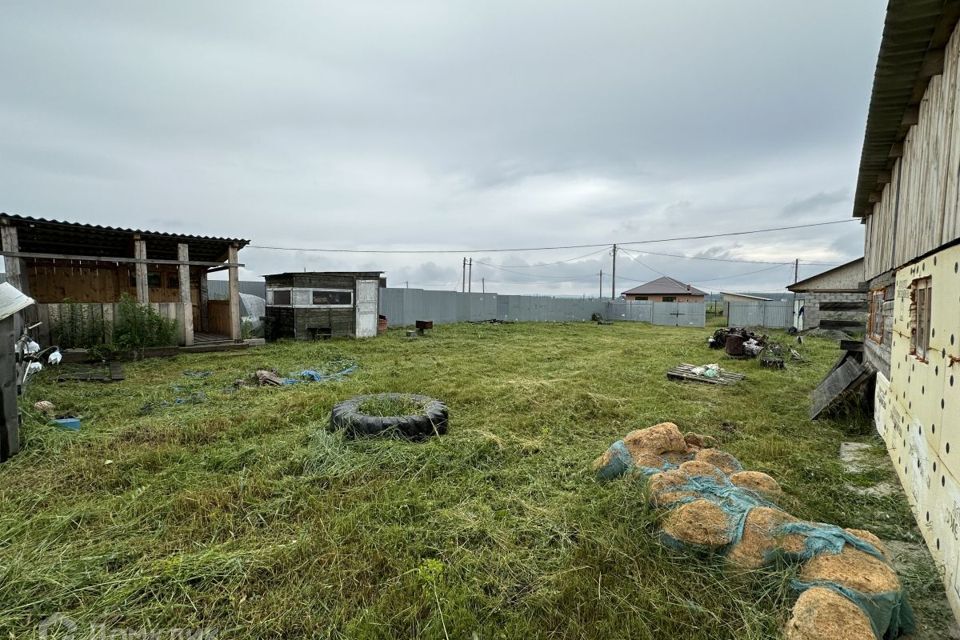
(684, 371)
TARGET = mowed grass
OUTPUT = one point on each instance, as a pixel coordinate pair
(239, 511)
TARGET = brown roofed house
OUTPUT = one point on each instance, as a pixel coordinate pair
(664, 289)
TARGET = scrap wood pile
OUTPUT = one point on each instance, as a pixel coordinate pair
(847, 587)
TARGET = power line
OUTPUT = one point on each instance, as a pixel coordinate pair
(553, 248)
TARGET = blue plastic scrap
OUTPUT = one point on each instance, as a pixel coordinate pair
(312, 375)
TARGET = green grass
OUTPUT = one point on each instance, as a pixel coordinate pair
(388, 406)
(242, 512)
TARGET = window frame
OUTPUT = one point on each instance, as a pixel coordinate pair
(273, 297)
(668, 298)
(338, 305)
(921, 316)
(875, 320)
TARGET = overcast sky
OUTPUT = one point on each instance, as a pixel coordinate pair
(449, 125)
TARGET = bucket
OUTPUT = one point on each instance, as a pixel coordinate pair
(381, 325)
(734, 346)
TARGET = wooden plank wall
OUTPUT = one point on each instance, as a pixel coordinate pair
(219, 316)
(918, 211)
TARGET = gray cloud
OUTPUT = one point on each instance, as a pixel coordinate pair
(444, 125)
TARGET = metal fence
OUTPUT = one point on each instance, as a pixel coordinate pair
(772, 315)
(403, 307)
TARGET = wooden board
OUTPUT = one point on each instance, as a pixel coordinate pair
(848, 377)
(113, 373)
(684, 371)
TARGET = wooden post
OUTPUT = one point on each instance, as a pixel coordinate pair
(204, 300)
(234, 293)
(9, 414)
(140, 253)
(186, 303)
(13, 266)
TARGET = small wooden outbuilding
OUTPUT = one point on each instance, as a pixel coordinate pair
(57, 262)
(834, 299)
(317, 305)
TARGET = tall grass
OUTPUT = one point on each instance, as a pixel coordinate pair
(243, 513)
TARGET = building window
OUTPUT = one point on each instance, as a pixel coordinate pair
(921, 292)
(669, 298)
(281, 296)
(642, 298)
(332, 298)
(875, 321)
(173, 281)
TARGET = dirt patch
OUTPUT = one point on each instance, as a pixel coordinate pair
(855, 457)
(823, 614)
(699, 523)
(852, 568)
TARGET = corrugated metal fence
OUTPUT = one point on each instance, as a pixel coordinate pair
(403, 307)
(772, 315)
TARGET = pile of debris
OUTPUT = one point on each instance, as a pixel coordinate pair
(738, 342)
(847, 586)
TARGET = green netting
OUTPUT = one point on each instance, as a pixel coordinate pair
(890, 613)
(825, 538)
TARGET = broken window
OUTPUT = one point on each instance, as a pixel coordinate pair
(875, 321)
(921, 291)
(339, 298)
(281, 296)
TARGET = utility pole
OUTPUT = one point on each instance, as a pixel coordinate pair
(613, 278)
(470, 277)
(796, 270)
(483, 285)
(463, 284)
(601, 283)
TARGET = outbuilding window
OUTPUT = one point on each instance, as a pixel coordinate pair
(327, 297)
(669, 298)
(921, 292)
(281, 296)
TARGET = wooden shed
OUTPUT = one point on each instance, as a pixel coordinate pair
(834, 299)
(317, 305)
(56, 262)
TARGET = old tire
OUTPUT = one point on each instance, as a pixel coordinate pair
(347, 416)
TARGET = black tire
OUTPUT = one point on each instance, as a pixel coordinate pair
(347, 416)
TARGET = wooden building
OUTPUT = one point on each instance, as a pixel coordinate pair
(834, 299)
(664, 289)
(58, 262)
(317, 305)
(908, 198)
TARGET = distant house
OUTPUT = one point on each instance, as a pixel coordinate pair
(834, 299)
(664, 289)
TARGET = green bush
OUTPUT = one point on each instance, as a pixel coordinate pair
(138, 326)
(78, 327)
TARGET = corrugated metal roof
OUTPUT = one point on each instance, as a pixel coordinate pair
(40, 235)
(665, 286)
(911, 52)
(802, 284)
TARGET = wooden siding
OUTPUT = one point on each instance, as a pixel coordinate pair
(918, 210)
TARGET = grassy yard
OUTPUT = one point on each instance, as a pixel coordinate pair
(239, 511)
